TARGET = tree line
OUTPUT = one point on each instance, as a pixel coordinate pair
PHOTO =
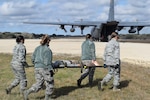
(11, 35)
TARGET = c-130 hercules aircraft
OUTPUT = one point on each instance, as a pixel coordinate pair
(101, 30)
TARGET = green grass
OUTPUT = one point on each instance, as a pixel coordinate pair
(135, 82)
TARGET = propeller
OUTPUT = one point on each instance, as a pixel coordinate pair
(63, 27)
(82, 28)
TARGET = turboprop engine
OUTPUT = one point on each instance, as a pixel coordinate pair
(72, 29)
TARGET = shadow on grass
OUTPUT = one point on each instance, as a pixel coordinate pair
(67, 89)
(124, 83)
(61, 91)
(95, 83)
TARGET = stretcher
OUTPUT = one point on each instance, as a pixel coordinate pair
(68, 64)
(71, 64)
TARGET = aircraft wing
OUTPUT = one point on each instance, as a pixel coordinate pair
(86, 24)
(129, 24)
(82, 25)
(134, 26)
(124, 24)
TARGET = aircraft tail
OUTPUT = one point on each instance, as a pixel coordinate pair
(111, 11)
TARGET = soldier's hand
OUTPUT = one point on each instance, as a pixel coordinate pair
(117, 66)
(95, 63)
(105, 66)
(25, 64)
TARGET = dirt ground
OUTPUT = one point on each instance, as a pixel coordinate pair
(135, 53)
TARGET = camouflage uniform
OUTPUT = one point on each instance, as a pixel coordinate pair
(43, 75)
(88, 54)
(42, 60)
(17, 64)
(112, 61)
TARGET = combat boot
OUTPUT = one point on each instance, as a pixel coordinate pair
(8, 91)
(90, 84)
(79, 82)
(100, 85)
(116, 89)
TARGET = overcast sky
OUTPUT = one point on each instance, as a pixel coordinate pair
(14, 12)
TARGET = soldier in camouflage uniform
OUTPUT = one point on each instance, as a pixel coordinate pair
(18, 66)
(42, 60)
(88, 58)
(112, 61)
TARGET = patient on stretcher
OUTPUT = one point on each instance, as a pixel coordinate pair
(69, 63)
(64, 63)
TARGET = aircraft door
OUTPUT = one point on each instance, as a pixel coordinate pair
(107, 29)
